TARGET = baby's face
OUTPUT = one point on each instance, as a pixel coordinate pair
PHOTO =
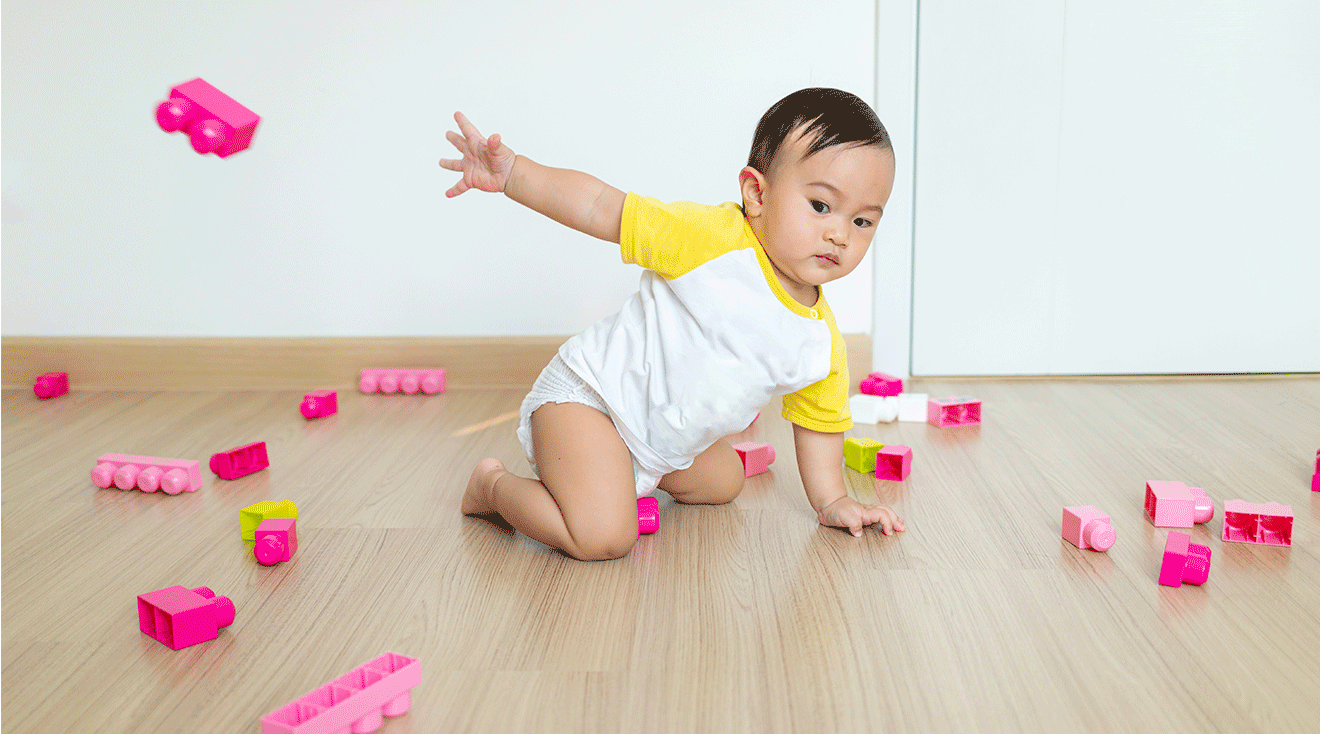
(816, 216)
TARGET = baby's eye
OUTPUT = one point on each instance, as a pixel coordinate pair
(820, 206)
(863, 223)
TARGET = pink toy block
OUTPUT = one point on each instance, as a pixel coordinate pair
(1267, 524)
(355, 701)
(953, 411)
(214, 122)
(756, 457)
(878, 383)
(251, 517)
(648, 515)
(893, 462)
(177, 617)
(51, 385)
(319, 404)
(148, 473)
(277, 540)
(1315, 478)
(240, 461)
(409, 381)
(1088, 528)
(1184, 561)
(1175, 505)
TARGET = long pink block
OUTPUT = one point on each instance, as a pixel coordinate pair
(177, 617)
(1088, 528)
(214, 122)
(277, 540)
(1171, 504)
(756, 457)
(953, 411)
(147, 473)
(878, 383)
(240, 461)
(1267, 524)
(319, 404)
(354, 701)
(410, 381)
(893, 462)
(1315, 478)
(648, 515)
(51, 385)
(1184, 561)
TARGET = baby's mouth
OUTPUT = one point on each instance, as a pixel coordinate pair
(828, 258)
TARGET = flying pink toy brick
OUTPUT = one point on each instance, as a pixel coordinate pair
(214, 122)
(409, 381)
(893, 462)
(319, 404)
(1088, 528)
(240, 461)
(277, 540)
(953, 411)
(1184, 561)
(51, 385)
(878, 383)
(1267, 524)
(177, 617)
(147, 473)
(756, 457)
(356, 701)
(648, 515)
(1175, 505)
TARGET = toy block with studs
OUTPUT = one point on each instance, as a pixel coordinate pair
(872, 409)
(213, 121)
(893, 462)
(251, 517)
(913, 407)
(277, 540)
(356, 701)
(1266, 524)
(51, 385)
(1088, 528)
(177, 617)
(240, 461)
(953, 411)
(429, 381)
(1184, 561)
(319, 404)
(1171, 504)
(859, 453)
(756, 457)
(648, 515)
(882, 385)
(147, 473)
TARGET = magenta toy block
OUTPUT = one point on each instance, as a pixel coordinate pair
(1175, 505)
(214, 122)
(1184, 561)
(893, 462)
(409, 381)
(319, 404)
(953, 411)
(51, 385)
(277, 540)
(1267, 524)
(148, 473)
(648, 515)
(355, 701)
(177, 617)
(756, 457)
(1088, 528)
(878, 383)
(1315, 478)
(240, 461)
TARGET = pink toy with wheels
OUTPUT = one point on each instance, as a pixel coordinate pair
(756, 457)
(429, 381)
(319, 404)
(147, 473)
(240, 461)
(177, 617)
(1184, 561)
(51, 385)
(214, 122)
(1088, 528)
(356, 701)
(648, 515)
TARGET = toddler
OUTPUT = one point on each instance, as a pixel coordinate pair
(729, 313)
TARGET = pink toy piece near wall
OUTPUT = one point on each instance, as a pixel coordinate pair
(1172, 504)
(893, 462)
(214, 122)
(756, 457)
(277, 540)
(319, 404)
(1184, 561)
(1315, 478)
(177, 617)
(240, 461)
(648, 515)
(356, 701)
(1088, 528)
(51, 385)
(878, 383)
(1266, 524)
(148, 473)
(429, 381)
(953, 411)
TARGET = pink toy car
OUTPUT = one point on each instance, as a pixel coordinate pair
(1267, 524)
(1184, 561)
(1175, 505)
(355, 701)
(51, 385)
(177, 617)
(953, 411)
(277, 540)
(893, 462)
(878, 383)
(756, 457)
(1088, 528)
(240, 461)
(410, 381)
(648, 515)
(214, 122)
(319, 404)
(147, 473)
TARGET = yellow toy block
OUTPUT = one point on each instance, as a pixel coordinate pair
(859, 453)
(251, 516)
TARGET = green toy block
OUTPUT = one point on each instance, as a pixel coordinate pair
(251, 516)
(859, 453)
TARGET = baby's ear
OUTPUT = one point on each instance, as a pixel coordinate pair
(752, 182)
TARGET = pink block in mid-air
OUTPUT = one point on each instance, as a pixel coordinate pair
(240, 461)
(893, 462)
(878, 383)
(147, 473)
(177, 617)
(430, 381)
(214, 122)
(1267, 524)
(1088, 528)
(319, 404)
(953, 411)
(1184, 561)
(277, 540)
(356, 701)
(51, 385)
(1171, 504)
(756, 457)
(648, 515)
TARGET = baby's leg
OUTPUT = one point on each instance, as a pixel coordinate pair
(715, 477)
(586, 501)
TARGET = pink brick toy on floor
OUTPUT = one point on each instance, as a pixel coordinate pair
(1315, 478)
(1267, 524)
(319, 404)
(51, 385)
(893, 462)
(214, 122)
(355, 701)
(648, 515)
(277, 540)
(147, 473)
(756, 457)
(177, 617)
(240, 461)
(953, 411)
(1088, 528)
(1184, 561)
(409, 381)
(251, 517)
(1175, 505)
(878, 383)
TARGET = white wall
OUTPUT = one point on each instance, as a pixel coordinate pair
(334, 221)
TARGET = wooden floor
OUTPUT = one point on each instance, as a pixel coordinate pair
(748, 617)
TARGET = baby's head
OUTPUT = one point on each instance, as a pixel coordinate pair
(816, 182)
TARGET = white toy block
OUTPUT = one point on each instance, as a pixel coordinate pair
(912, 407)
(873, 408)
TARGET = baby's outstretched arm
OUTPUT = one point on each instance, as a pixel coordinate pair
(820, 462)
(572, 198)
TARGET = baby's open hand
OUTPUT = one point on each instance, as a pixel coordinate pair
(847, 512)
(486, 162)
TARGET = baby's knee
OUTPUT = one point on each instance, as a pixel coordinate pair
(604, 541)
(729, 487)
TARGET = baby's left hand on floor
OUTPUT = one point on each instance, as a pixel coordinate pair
(847, 512)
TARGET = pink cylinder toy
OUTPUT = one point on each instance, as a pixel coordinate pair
(389, 383)
(409, 384)
(269, 550)
(174, 481)
(103, 475)
(149, 479)
(431, 385)
(126, 477)
(648, 515)
(368, 384)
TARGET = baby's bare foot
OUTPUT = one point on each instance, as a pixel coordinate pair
(476, 499)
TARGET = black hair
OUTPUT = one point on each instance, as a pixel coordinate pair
(831, 117)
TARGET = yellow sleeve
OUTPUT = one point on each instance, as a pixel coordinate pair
(823, 406)
(672, 239)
